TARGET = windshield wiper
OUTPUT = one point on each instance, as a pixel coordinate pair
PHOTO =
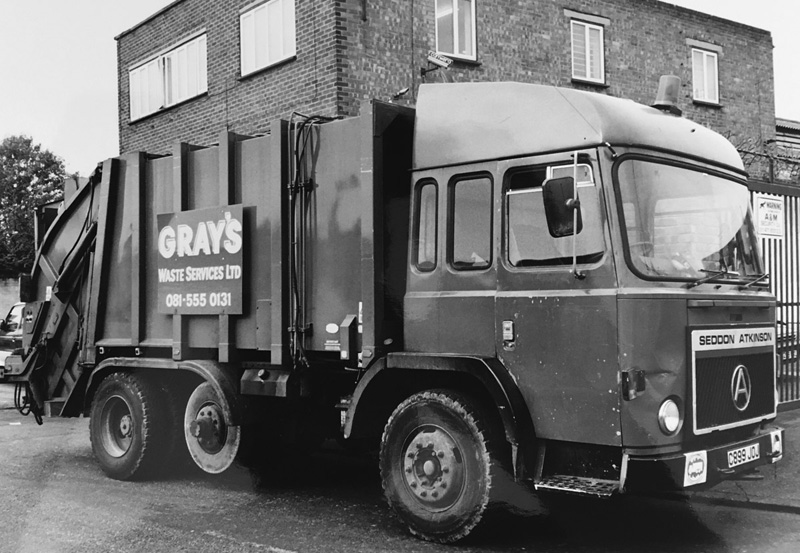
(711, 275)
(756, 278)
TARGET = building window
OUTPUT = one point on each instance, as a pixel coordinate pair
(456, 28)
(471, 223)
(267, 35)
(705, 76)
(169, 79)
(588, 62)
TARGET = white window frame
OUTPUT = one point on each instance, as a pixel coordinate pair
(587, 51)
(456, 12)
(173, 76)
(257, 49)
(709, 92)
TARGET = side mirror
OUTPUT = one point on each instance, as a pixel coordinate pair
(3, 325)
(560, 207)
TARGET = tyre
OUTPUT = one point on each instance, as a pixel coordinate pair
(436, 465)
(127, 427)
(212, 443)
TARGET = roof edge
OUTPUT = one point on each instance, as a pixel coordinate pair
(717, 17)
(147, 19)
(790, 124)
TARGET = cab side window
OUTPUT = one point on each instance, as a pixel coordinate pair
(528, 240)
(470, 223)
(426, 226)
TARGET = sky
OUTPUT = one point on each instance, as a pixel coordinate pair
(58, 74)
(781, 18)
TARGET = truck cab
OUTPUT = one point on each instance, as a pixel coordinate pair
(637, 324)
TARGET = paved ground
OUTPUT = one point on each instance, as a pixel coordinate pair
(779, 489)
(777, 486)
(6, 396)
(55, 499)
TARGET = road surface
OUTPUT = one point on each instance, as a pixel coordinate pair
(55, 499)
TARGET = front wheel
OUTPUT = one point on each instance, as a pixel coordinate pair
(436, 465)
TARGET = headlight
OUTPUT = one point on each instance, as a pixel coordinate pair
(669, 417)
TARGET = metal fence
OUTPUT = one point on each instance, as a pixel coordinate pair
(782, 260)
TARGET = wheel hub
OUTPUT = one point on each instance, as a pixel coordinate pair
(209, 428)
(125, 426)
(117, 426)
(433, 468)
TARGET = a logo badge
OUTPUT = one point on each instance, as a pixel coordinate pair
(741, 388)
(695, 470)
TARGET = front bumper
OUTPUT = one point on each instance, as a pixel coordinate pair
(705, 467)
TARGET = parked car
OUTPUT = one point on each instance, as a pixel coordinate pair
(10, 334)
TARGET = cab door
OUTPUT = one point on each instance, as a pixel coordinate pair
(556, 326)
(452, 281)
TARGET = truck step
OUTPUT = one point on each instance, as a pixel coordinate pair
(578, 485)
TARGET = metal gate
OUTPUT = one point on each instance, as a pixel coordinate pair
(782, 260)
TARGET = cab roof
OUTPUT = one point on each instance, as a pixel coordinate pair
(471, 122)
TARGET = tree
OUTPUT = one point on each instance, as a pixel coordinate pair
(29, 177)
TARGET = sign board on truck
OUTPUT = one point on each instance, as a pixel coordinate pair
(200, 261)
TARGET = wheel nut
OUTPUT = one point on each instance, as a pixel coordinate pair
(413, 484)
(424, 494)
(440, 454)
(435, 494)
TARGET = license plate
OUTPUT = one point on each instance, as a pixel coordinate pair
(742, 455)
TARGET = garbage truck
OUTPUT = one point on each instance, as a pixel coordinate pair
(506, 280)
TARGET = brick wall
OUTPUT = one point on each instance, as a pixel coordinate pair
(344, 59)
(529, 41)
(243, 105)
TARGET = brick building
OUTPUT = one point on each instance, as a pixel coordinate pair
(200, 66)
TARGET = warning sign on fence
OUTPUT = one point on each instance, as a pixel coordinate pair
(769, 214)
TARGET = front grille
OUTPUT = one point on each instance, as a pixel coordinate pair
(734, 385)
(713, 378)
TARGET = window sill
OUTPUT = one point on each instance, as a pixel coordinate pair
(460, 60)
(268, 68)
(166, 109)
(587, 82)
(707, 104)
(466, 63)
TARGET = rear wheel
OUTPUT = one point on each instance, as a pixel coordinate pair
(127, 427)
(212, 443)
(436, 465)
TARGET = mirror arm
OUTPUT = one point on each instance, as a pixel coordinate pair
(574, 204)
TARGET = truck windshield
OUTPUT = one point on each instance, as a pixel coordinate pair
(686, 224)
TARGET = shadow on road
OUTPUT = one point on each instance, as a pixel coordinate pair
(351, 482)
(619, 524)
